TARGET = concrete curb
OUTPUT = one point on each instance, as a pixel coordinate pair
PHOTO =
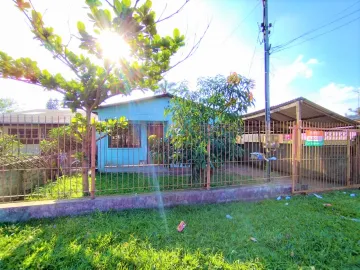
(23, 211)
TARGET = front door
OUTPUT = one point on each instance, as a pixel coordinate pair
(154, 149)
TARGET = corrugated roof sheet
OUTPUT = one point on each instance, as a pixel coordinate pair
(137, 100)
(310, 112)
(39, 116)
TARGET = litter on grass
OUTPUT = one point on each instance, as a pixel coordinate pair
(253, 239)
(327, 204)
(352, 195)
(181, 226)
(287, 197)
(318, 196)
(229, 217)
(353, 219)
(287, 203)
(278, 198)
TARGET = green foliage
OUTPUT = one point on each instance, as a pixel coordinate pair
(9, 145)
(111, 126)
(159, 150)
(166, 87)
(53, 104)
(68, 139)
(301, 235)
(61, 140)
(96, 78)
(210, 114)
(7, 105)
(69, 186)
(94, 83)
(217, 100)
(66, 187)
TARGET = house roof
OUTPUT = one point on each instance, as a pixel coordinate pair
(39, 116)
(309, 111)
(137, 100)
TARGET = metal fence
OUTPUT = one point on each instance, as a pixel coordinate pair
(325, 157)
(45, 158)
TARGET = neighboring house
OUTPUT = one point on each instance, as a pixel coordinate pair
(131, 148)
(32, 126)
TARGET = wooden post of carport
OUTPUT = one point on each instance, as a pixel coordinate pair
(348, 160)
(296, 146)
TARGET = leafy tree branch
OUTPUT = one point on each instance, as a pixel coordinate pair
(210, 114)
(97, 77)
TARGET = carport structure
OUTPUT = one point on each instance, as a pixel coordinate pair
(319, 148)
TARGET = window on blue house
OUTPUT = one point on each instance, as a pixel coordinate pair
(126, 138)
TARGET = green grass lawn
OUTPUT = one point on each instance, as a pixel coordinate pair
(107, 184)
(301, 235)
(124, 183)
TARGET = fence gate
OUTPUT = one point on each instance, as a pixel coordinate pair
(325, 158)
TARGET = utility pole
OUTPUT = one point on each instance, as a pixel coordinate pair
(266, 32)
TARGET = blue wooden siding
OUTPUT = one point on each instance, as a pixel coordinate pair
(141, 112)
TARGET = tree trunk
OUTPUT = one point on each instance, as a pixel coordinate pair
(86, 155)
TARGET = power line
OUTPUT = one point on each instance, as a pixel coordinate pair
(345, 24)
(233, 31)
(314, 30)
(255, 47)
(348, 7)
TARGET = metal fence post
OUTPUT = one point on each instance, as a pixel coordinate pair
(208, 167)
(294, 157)
(93, 157)
(348, 154)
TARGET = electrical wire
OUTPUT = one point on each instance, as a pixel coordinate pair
(347, 8)
(242, 21)
(315, 29)
(252, 58)
(345, 24)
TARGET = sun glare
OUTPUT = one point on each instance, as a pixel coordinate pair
(113, 45)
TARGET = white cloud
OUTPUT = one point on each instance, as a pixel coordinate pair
(333, 96)
(27, 96)
(312, 61)
(336, 97)
(283, 75)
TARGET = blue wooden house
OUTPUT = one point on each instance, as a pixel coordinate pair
(129, 150)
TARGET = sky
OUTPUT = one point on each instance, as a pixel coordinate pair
(325, 69)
